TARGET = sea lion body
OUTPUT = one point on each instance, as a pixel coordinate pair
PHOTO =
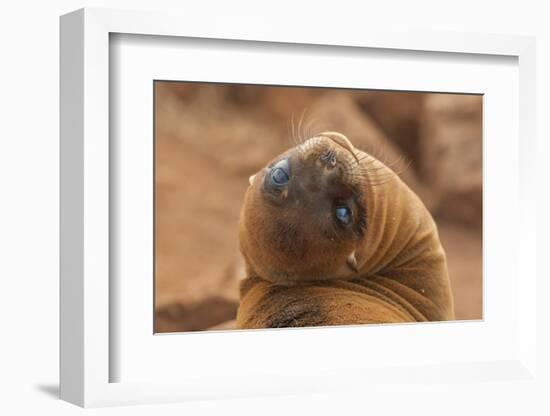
(306, 268)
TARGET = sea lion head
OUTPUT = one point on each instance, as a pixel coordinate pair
(305, 213)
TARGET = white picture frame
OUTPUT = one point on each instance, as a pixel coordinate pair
(87, 301)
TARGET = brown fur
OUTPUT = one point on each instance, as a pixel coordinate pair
(298, 264)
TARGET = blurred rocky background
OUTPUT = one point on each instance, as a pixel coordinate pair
(210, 138)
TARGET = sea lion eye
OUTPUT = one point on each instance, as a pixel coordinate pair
(343, 214)
(279, 175)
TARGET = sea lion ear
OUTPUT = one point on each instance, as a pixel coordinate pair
(351, 261)
(251, 179)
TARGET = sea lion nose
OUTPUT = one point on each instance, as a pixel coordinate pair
(328, 158)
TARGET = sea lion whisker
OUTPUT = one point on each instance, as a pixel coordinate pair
(401, 161)
(296, 131)
(290, 135)
(379, 180)
(377, 172)
(368, 169)
(366, 156)
(380, 183)
(398, 161)
(311, 144)
(295, 140)
(301, 135)
(309, 130)
(382, 156)
(368, 159)
(294, 136)
(365, 167)
(373, 168)
(404, 168)
(340, 140)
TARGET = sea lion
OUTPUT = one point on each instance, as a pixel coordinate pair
(330, 235)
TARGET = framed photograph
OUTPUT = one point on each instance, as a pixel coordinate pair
(278, 211)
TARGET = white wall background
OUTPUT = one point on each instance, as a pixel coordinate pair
(29, 116)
